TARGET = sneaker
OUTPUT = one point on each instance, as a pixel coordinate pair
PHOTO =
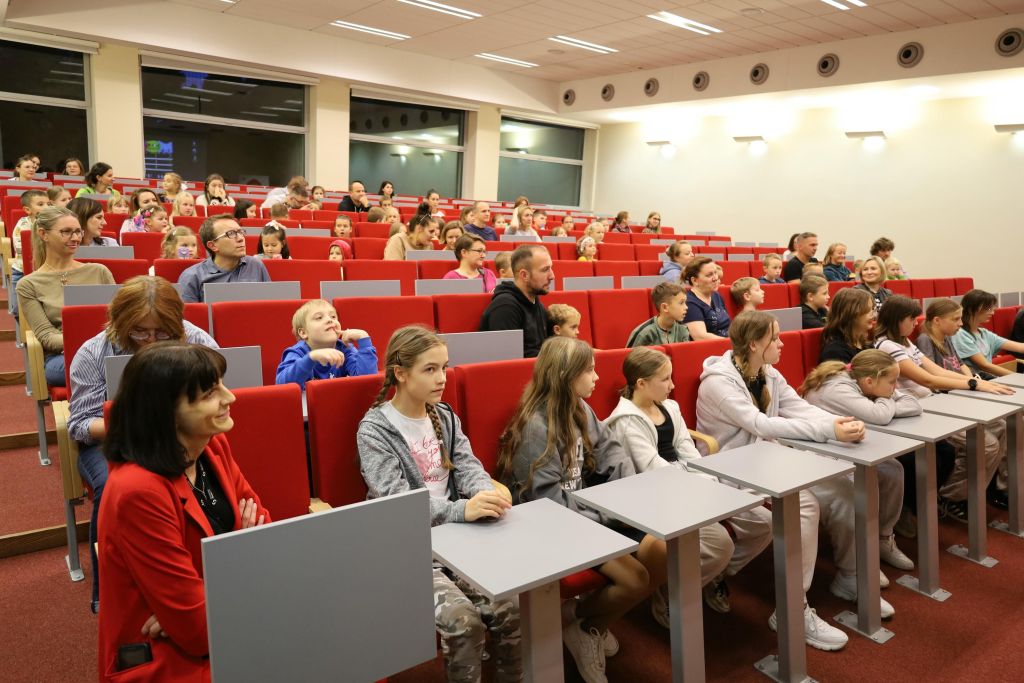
(716, 595)
(817, 632)
(587, 650)
(659, 606)
(611, 644)
(890, 553)
(569, 611)
(999, 499)
(906, 525)
(883, 580)
(955, 510)
(845, 588)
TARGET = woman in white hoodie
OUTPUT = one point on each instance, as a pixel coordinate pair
(650, 427)
(742, 399)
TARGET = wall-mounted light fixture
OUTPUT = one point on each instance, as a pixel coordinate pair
(873, 140)
(1012, 128)
(667, 149)
(756, 143)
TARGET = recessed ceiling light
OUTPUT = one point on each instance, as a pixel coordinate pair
(369, 29)
(593, 47)
(682, 22)
(506, 60)
(837, 5)
(751, 11)
(445, 9)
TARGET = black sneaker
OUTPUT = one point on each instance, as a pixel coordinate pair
(953, 509)
(999, 499)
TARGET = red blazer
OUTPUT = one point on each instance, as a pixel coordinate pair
(151, 563)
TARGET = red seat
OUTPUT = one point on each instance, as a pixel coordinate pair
(649, 252)
(615, 238)
(733, 271)
(581, 302)
(267, 324)
(368, 247)
(901, 287)
(313, 248)
(171, 269)
(794, 293)
(922, 288)
(325, 215)
(381, 316)
(615, 252)
(193, 223)
(122, 269)
(369, 269)
(1002, 321)
(775, 296)
(791, 364)
(687, 365)
(79, 324)
(318, 225)
(146, 245)
(459, 312)
(608, 365)
(617, 269)
(730, 305)
(650, 267)
(964, 284)
(272, 460)
(488, 395)
(811, 347)
(834, 287)
(564, 269)
(434, 270)
(614, 313)
(507, 246)
(308, 273)
(945, 286)
(375, 230)
(218, 209)
(300, 214)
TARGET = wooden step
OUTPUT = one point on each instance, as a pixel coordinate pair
(41, 539)
(25, 440)
(12, 377)
(6, 335)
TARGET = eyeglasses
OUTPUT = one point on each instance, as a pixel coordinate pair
(139, 334)
(478, 251)
(68, 233)
(231, 234)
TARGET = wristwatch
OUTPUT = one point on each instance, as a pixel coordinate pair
(972, 384)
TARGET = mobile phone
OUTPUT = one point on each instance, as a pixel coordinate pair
(132, 655)
(184, 252)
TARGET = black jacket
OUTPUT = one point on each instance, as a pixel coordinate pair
(511, 310)
(813, 318)
(348, 205)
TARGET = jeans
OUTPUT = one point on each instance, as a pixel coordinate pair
(54, 368)
(92, 465)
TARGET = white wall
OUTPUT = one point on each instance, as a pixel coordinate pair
(945, 187)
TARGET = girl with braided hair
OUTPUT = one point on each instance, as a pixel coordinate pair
(416, 441)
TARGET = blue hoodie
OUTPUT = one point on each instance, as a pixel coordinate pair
(297, 367)
(670, 270)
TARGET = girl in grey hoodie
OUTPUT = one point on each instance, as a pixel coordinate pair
(414, 441)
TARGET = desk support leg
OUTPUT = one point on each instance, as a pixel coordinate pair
(540, 617)
(977, 541)
(686, 615)
(927, 580)
(790, 665)
(868, 619)
(1014, 461)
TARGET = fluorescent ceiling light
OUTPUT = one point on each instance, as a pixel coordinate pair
(61, 80)
(208, 92)
(682, 22)
(864, 134)
(190, 98)
(445, 9)
(573, 42)
(857, 3)
(279, 108)
(369, 29)
(505, 60)
(293, 101)
(837, 5)
(748, 138)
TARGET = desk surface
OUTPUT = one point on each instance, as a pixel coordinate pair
(1014, 379)
(876, 447)
(929, 427)
(770, 468)
(533, 544)
(966, 408)
(668, 502)
(1015, 399)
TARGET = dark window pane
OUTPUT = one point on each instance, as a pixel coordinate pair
(407, 122)
(44, 71)
(241, 155)
(54, 133)
(413, 170)
(249, 99)
(541, 139)
(544, 182)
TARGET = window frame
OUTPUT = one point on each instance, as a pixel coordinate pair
(581, 163)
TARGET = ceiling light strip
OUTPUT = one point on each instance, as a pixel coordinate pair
(445, 9)
(369, 29)
(837, 5)
(683, 22)
(575, 42)
(505, 60)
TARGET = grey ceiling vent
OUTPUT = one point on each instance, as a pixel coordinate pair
(608, 92)
(1010, 42)
(828, 65)
(569, 98)
(910, 55)
(759, 73)
(701, 80)
(651, 87)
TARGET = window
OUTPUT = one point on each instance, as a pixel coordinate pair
(42, 71)
(249, 130)
(540, 160)
(416, 147)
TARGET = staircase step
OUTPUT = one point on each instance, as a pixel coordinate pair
(6, 335)
(25, 440)
(11, 378)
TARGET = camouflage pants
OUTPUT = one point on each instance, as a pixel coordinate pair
(461, 615)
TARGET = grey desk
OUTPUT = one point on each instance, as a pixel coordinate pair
(1014, 457)
(876, 448)
(981, 413)
(1014, 379)
(781, 473)
(930, 429)
(672, 505)
(525, 553)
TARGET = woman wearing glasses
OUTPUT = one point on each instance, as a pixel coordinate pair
(55, 240)
(471, 250)
(145, 310)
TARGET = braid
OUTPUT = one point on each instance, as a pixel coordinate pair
(446, 457)
(389, 381)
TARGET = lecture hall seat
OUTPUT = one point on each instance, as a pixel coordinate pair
(616, 269)
(564, 269)
(459, 312)
(381, 316)
(614, 313)
(581, 302)
(687, 365)
(122, 269)
(370, 269)
(309, 273)
(171, 269)
(267, 324)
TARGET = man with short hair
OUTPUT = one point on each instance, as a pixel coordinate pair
(297, 186)
(806, 248)
(479, 218)
(516, 305)
(225, 244)
(356, 200)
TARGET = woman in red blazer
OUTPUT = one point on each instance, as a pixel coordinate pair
(172, 483)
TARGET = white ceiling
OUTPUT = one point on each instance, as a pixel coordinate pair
(520, 30)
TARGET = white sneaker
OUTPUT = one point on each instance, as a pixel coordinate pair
(659, 606)
(845, 587)
(883, 580)
(611, 644)
(817, 632)
(587, 650)
(890, 553)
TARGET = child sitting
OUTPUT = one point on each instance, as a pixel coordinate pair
(500, 222)
(150, 219)
(58, 196)
(340, 250)
(667, 327)
(278, 212)
(540, 219)
(747, 294)
(814, 301)
(184, 205)
(118, 204)
(503, 264)
(33, 201)
(894, 269)
(586, 249)
(772, 270)
(342, 226)
(324, 350)
(813, 268)
(559, 231)
(273, 243)
(179, 243)
(564, 320)
(376, 215)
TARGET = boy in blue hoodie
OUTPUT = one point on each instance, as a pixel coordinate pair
(324, 350)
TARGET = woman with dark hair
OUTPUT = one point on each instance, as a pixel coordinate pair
(90, 217)
(72, 166)
(172, 483)
(848, 328)
(387, 190)
(245, 209)
(99, 180)
(214, 192)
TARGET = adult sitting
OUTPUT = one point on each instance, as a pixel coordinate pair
(677, 256)
(835, 269)
(848, 329)
(653, 224)
(479, 217)
(434, 204)
(145, 310)
(470, 250)
(214, 192)
(72, 166)
(295, 194)
(416, 239)
(99, 180)
(227, 262)
(90, 217)
(172, 483)
(24, 168)
(356, 201)
(516, 305)
(806, 248)
(872, 280)
(55, 240)
(524, 224)
(706, 315)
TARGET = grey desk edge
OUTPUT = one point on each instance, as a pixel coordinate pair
(819, 448)
(949, 412)
(959, 426)
(774, 494)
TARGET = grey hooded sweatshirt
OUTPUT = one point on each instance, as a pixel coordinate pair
(840, 394)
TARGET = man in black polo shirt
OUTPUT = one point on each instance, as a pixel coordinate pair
(806, 248)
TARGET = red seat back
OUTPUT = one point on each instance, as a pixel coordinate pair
(193, 223)
(79, 324)
(581, 302)
(609, 251)
(775, 296)
(733, 271)
(945, 286)
(898, 287)
(171, 269)
(403, 271)
(122, 269)
(459, 312)
(810, 347)
(316, 248)
(1002, 321)
(922, 288)
(376, 230)
(368, 247)
(608, 365)
(687, 365)
(964, 284)
(834, 287)
(617, 269)
(267, 324)
(381, 316)
(307, 272)
(791, 364)
(488, 396)
(147, 245)
(434, 270)
(649, 252)
(614, 313)
(564, 269)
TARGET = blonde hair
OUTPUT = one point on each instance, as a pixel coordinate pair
(45, 220)
(768, 258)
(176, 206)
(118, 201)
(740, 288)
(641, 363)
(170, 241)
(747, 328)
(301, 314)
(176, 179)
(881, 267)
(561, 314)
(868, 363)
(832, 248)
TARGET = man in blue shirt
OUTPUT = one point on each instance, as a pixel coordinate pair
(478, 222)
(225, 243)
